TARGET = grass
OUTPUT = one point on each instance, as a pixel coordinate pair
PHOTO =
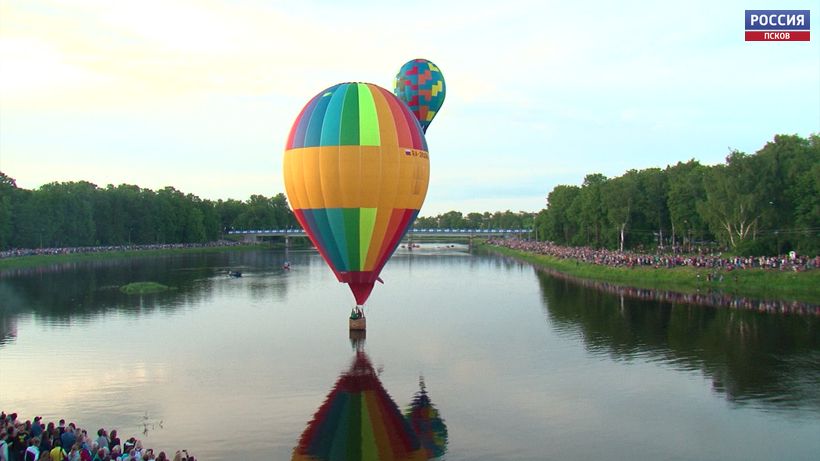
(752, 283)
(142, 288)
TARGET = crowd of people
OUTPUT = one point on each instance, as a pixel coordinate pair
(718, 265)
(707, 297)
(17, 252)
(32, 440)
(615, 258)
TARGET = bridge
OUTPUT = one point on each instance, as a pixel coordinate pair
(256, 234)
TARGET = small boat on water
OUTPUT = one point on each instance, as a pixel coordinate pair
(234, 274)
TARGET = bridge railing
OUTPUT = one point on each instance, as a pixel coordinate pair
(297, 231)
(469, 231)
(266, 231)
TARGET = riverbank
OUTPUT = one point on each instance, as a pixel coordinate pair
(22, 262)
(751, 283)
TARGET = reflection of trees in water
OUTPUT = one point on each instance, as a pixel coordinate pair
(770, 360)
(60, 292)
(8, 328)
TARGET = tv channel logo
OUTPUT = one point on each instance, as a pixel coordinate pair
(778, 26)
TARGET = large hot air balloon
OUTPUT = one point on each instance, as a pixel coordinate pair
(420, 85)
(356, 171)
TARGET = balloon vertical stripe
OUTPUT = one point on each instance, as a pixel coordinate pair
(313, 134)
(347, 115)
(331, 134)
(368, 121)
(367, 220)
(337, 228)
(349, 124)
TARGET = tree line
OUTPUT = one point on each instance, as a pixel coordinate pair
(762, 203)
(72, 214)
(457, 220)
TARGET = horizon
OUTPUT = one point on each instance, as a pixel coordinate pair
(421, 214)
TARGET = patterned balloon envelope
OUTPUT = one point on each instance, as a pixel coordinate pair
(356, 171)
(427, 423)
(420, 85)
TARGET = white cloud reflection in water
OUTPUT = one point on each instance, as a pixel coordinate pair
(519, 368)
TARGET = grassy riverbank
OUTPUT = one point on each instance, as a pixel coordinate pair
(45, 260)
(753, 283)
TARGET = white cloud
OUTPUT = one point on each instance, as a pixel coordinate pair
(536, 90)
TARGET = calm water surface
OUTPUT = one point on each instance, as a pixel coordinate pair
(518, 365)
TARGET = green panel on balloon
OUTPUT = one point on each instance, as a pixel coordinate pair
(367, 220)
(351, 224)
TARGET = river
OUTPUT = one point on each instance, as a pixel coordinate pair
(514, 363)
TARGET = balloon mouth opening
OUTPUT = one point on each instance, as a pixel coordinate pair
(361, 291)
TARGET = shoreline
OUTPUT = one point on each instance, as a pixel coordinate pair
(781, 291)
(74, 255)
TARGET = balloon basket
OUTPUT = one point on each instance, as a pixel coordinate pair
(358, 324)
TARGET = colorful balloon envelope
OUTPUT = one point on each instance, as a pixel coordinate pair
(356, 171)
(420, 85)
(358, 421)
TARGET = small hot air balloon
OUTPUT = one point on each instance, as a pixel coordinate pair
(356, 171)
(420, 85)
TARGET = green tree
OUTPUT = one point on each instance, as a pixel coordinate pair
(426, 222)
(170, 215)
(284, 216)
(259, 213)
(787, 182)
(561, 222)
(194, 227)
(686, 189)
(734, 204)
(452, 220)
(228, 212)
(475, 220)
(620, 195)
(8, 193)
(653, 186)
(592, 213)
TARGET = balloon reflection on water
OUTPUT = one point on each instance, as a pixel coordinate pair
(360, 421)
(427, 423)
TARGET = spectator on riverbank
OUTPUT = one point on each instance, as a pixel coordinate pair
(17, 252)
(114, 441)
(710, 292)
(18, 444)
(68, 438)
(102, 439)
(614, 258)
(58, 453)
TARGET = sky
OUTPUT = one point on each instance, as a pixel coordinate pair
(200, 95)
